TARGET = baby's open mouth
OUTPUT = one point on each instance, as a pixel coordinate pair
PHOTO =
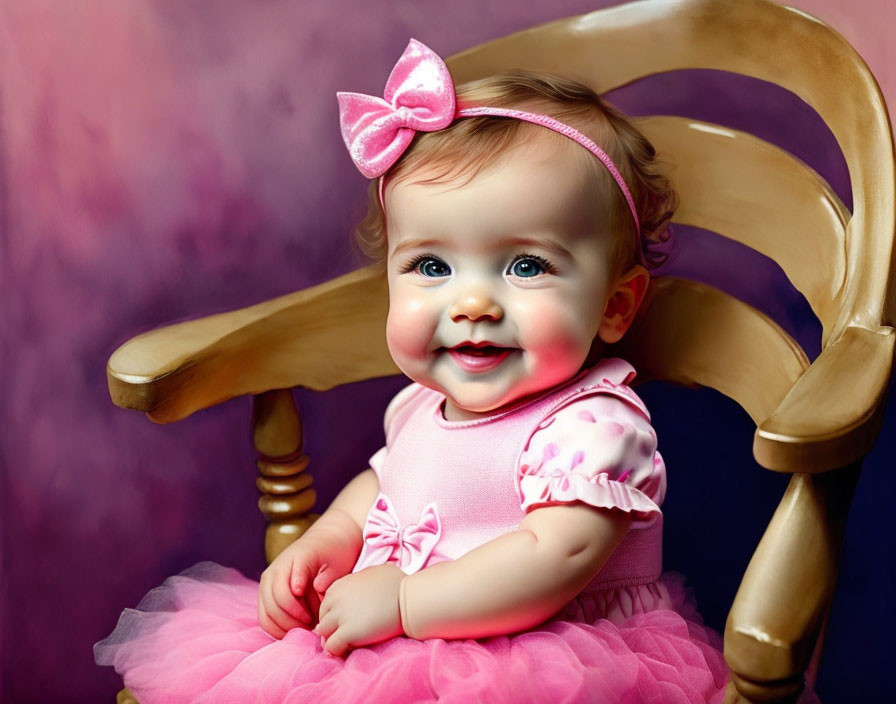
(486, 351)
(478, 358)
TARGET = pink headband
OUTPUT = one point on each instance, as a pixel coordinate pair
(419, 96)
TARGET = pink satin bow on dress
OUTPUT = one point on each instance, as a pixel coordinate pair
(419, 96)
(385, 539)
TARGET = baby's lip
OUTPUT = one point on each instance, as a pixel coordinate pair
(478, 357)
(479, 348)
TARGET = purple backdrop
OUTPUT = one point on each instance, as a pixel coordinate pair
(163, 160)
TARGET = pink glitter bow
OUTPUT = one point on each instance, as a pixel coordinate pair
(419, 96)
(384, 539)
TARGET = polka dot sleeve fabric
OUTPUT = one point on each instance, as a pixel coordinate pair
(598, 450)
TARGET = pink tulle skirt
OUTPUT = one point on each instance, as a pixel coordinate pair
(196, 639)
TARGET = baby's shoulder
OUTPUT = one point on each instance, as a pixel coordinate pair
(596, 445)
(403, 405)
(603, 388)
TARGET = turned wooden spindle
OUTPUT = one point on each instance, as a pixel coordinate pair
(287, 488)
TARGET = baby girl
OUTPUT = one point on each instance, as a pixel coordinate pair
(505, 544)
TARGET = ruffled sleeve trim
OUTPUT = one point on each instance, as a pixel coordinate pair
(599, 490)
(595, 446)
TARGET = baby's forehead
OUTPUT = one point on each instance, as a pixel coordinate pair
(521, 198)
(532, 177)
(531, 147)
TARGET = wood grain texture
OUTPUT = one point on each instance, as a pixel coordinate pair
(787, 589)
(832, 415)
(286, 486)
(748, 190)
(695, 335)
(317, 338)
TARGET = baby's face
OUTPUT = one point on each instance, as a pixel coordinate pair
(497, 287)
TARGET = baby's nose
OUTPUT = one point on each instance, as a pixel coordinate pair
(475, 305)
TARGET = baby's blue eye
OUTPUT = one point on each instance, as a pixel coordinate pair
(433, 267)
(526, 267)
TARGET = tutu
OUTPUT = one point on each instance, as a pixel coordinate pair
(196, 639)
(631, 636)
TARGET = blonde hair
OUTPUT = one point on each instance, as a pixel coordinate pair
(468, 145)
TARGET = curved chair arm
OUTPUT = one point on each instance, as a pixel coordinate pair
(318, 338)
(777, 615)
(833, 413)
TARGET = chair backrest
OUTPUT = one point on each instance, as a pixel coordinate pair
(729, 182)
(810, 418)
(841, 264)
(750, 191)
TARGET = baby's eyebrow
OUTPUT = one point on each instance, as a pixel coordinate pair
(542, 242)
(417, 244)
(518, 241)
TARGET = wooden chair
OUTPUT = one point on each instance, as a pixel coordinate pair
(815, 422)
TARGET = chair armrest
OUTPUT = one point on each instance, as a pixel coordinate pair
(833, 413)
(318, 338)
(780, 606)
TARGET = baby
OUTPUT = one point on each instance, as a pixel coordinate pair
(516, 500)
(512, 258)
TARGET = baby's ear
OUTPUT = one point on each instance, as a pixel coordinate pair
(623, 303)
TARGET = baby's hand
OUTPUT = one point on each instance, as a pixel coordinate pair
(293, 585)
(361, 608)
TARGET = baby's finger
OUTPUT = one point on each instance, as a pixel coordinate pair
(299, 576)
(325, 605)
(268, 624)
(337, 644)
(325, 577)
(312, 601)
(326, 626)
(274, 614)
(290, 604)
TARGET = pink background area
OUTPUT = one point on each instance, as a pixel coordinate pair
(168, 159)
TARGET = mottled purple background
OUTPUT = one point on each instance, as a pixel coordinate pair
(162, 160)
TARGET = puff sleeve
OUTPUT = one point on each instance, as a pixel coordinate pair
(599, 450)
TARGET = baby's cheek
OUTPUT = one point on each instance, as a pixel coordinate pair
(409, 328)
(559, 330)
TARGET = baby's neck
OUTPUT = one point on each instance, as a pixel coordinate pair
(453, 412)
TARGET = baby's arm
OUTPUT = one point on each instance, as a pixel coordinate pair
(515, 581)
(292, 586)
(356, 499)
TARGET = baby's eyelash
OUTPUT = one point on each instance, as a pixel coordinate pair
(546, 265)
(415, 262)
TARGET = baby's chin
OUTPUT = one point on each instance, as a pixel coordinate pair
(466, 406)
(493, 393)
(470, 408)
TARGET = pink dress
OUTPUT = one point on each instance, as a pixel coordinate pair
(631, 635)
